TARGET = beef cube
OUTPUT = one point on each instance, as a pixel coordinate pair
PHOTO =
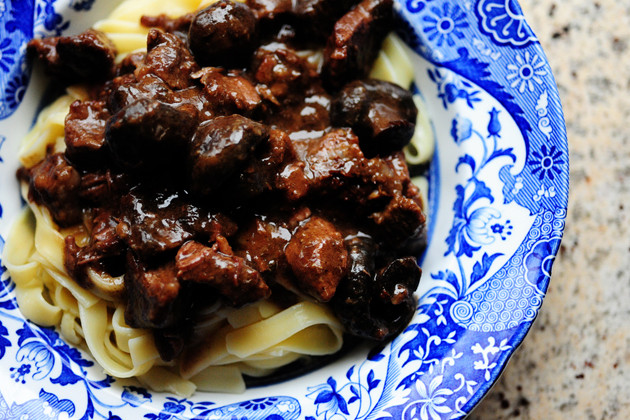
(261, 173)
(381, 113)
(278, 69)
(221, 147)
(401, 219)
(317, 17)
(230, 93)
(87, 57)
(262, 244)
(217, 267)
(223, 34)
(55, 183)
(356, 40)
(169, 59)
(104, 246)
(99, 188)
(318, 257)
(85, 133)
(150, 133)
(130, 63)
(152, 295)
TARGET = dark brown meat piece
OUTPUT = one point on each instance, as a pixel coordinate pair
(220, 147)
(126, 89)
(157, 222)
(152, 295)
(376, 305)
(318, 258)
(216, 266)
(263, 169)
(281, 74)
(355, 41)
(149, 133)
(87, 57)
(169, 59)
(318, 17)
(401, 219)
(103, 247)
(262, 244)
(232, 93)
(308, 117)
(223, 34)
(85, 133)
(55, 183)
(381, 113)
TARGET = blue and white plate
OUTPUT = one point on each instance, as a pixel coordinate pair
(498, 198)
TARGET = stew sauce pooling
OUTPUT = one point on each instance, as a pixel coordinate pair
(230, 163)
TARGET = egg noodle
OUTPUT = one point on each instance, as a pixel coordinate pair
(253, 340)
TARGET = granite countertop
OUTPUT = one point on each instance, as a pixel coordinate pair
(575, 361)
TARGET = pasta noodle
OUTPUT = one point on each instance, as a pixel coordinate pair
(253, 340)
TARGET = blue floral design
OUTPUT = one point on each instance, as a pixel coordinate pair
(461, 129)
(328, 401)
(259, 403)
(451, 88)
(539, 261)
(528, 72)
(7, 54)
(504, 22)
(445, 24)
(80, 5)
(547, 162)
(169, 411)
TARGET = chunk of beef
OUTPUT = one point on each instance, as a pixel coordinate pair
(220, 147)
(216, 266)
(126, 89)
(169, 59)
(86, 57)
(381, 113)
(232, 93)
(281, 74)
(355, 42)
(149, 133)
(262, 244)
(376, 305)
(262, 171)
(157, 222)
(318, 17)
(152, 295)
(400, 220)
(55, 183)
(130, 63)
(323, 164)
(223, 34)
(318, 257)
(102, 188)
(101, 252)
(85, 133)
(309, 117)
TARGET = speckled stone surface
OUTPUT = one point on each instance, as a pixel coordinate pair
(575, 362)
